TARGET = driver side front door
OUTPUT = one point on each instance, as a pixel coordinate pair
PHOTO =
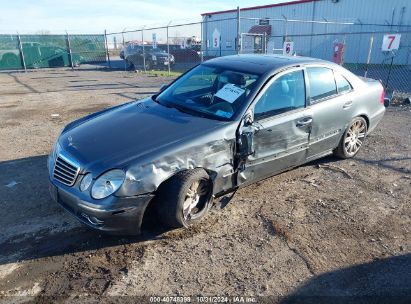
(281, 125)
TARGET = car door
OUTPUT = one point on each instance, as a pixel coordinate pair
(281, 127)
(135, 55)
(331, 101)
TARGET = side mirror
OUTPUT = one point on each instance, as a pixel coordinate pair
(248, 119)
(246, 144)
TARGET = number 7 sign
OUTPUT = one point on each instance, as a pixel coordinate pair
(391, 42)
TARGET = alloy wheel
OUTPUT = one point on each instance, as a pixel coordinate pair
(195, 199)
(355, 136)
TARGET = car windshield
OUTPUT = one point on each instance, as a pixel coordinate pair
(209, 91)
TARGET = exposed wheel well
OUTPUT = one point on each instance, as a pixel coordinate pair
(150, 212)
(366, 120)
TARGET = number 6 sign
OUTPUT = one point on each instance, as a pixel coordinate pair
(288, 48)
(391, 42)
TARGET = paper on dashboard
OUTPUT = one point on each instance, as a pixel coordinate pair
(229, 93)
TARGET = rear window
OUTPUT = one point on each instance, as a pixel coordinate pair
(322, 83)
(343, 85)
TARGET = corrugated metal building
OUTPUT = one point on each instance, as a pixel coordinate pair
(335, 20)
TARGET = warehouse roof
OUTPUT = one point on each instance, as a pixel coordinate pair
(258, 7)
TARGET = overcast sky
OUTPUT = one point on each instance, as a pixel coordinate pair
(93, 16)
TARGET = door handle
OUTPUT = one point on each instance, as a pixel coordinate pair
(347, 105)
(304, 122)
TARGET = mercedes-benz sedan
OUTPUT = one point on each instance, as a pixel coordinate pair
(224, 124)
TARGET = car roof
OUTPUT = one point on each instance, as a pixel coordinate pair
(262, 63)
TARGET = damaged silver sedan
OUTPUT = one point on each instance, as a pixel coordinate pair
(225, 124)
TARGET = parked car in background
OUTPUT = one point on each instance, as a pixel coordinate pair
(182, 55)
(136, 56)
(225, 124)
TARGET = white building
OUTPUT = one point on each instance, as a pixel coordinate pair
(265, 28)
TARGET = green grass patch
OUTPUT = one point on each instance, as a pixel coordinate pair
(163, 73)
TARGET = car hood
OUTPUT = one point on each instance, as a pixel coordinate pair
(115, 137)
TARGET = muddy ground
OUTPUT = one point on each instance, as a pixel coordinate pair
(313, 231)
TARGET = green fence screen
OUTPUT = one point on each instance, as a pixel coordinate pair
(9, 52)
(48, 51)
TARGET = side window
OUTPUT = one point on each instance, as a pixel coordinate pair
(286, 93)
(322, 83)
(343, 85)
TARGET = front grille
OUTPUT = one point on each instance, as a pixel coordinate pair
(65, 170)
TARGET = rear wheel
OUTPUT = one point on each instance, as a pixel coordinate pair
(352, 139)
(185, 198)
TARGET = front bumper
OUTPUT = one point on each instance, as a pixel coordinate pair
(163, 61)
(116, 215)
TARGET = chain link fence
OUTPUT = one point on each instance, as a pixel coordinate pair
(175, 48)
(355, 45)
(358, 47)
(18, 52)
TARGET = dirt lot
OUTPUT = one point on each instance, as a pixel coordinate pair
(313, 231)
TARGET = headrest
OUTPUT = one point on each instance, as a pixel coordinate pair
(232, 77)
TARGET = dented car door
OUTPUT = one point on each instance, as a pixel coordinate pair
(280, 127)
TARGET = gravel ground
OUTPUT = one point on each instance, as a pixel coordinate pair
(329, 228)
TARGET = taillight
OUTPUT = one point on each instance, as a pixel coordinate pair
(382, 97)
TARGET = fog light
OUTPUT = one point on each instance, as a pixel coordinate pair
(86, 182)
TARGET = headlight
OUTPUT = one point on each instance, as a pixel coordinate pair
(153, 57)
(108, 183)
(86, 182)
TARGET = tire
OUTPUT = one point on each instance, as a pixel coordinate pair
(352, 139)
(174, 195)
(129, 65)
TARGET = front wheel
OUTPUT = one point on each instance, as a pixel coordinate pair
(352, 139)
(185, 198)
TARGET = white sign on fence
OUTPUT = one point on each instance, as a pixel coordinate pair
(391, 42)
(288, 48)
(216, 39)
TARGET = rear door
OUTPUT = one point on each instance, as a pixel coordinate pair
(331, 101)
(282, 124)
